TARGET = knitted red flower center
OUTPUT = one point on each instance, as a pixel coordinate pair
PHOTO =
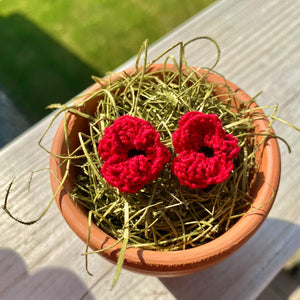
(132, 152)
(205, 151)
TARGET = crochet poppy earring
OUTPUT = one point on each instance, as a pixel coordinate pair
(205, 151)
(132, 152)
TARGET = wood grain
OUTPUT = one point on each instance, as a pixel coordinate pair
(260, 42)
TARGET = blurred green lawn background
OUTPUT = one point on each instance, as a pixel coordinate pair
(49, 49)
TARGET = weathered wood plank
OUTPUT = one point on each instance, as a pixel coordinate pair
(259, 42)
(282, 287)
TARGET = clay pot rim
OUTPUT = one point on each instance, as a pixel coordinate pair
(177, 262)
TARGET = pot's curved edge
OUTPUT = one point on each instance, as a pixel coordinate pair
(145, 261)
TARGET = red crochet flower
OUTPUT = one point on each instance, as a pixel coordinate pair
(205, 151)
(132, 152)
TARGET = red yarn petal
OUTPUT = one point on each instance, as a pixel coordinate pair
(131, 135)
(195, 170)
(197, 129)
(128, 176)
(205, 150)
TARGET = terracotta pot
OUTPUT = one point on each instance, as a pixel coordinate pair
(177, 262)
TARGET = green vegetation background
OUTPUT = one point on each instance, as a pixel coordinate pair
(49, 49)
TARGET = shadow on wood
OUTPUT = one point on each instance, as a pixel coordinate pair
(46, 284)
